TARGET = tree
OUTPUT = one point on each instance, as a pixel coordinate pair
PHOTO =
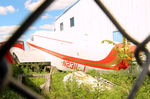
(123, 50)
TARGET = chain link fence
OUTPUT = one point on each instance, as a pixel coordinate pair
(6, 79)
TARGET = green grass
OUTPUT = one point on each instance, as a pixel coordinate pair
(58, 90)
(10, 94)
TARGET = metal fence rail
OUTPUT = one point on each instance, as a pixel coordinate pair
(6, 78)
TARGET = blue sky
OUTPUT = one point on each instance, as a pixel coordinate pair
(13, 12)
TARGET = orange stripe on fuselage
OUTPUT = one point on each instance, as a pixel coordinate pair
(110, 62)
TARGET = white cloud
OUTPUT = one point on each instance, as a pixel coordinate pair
(56, 5)
(32, 5)
(5, 10)
(32, 28)
(61, 4)
(47, 26)
(8, 29)
(11, 29)
(4, 38)
(6, 32)
(46, 16)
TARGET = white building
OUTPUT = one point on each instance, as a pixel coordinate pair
(86, 19)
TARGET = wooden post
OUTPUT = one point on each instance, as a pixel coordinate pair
(50, 74)
(20, 78)
(48, 78)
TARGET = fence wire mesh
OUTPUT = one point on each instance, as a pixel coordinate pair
(6, 79)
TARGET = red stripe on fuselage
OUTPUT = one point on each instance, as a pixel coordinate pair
(99, 64)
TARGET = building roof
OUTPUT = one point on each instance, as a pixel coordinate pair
(68, 9)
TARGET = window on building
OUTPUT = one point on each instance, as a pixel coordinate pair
(72, 22)
(61, 26)
(117, 36)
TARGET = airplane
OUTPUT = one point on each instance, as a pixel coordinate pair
(72, 56)
(75, 42)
